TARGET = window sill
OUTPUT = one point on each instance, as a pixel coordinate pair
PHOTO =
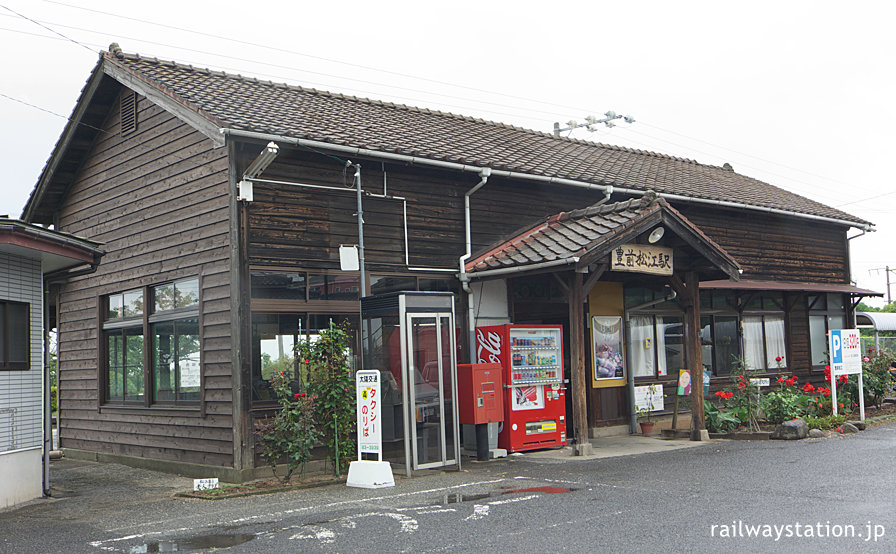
(191, 411)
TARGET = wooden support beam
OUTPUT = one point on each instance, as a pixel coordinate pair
(577, 364)
(562, 284)
(678, 286)
(594, 277)
(694, 350)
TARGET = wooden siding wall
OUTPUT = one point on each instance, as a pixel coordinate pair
(304, 227)
(158, 201)
(771, 247)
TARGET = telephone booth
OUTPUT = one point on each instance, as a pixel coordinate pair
(411, 338)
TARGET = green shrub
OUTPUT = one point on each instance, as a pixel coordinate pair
(876, 378)
(719, 421)
(825, 422)
(782, 405)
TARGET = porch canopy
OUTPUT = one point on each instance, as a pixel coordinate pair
(590, 242)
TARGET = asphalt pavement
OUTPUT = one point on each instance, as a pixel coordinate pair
(641, 494)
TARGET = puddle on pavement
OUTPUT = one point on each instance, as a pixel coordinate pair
(546, 490)
(192, 543)
(458, 498)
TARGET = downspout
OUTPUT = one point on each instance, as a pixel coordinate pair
(633, 413)
(484, 174)
(607, 193)
(416, 160)
(51, 278)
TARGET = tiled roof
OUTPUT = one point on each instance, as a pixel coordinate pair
(237, 102)
(578, 233)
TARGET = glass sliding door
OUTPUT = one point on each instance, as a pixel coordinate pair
(431, 378)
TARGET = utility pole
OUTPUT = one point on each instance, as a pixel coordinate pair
(887, 270)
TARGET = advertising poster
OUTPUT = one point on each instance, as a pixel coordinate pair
(684, 382)
(528, 398)
(606, 335)
(650, 400)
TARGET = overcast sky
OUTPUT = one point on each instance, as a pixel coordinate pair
(799, 94)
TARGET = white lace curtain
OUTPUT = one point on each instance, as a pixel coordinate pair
(645, 343)
(764, 341)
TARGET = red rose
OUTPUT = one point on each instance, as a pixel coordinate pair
(778, 359)
(808, 388)
(780, 379)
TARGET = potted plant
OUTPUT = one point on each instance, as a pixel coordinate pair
(644, 414)
(645, 422)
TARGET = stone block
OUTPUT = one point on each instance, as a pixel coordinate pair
(791, 430)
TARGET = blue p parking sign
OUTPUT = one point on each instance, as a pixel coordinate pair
(836, 347)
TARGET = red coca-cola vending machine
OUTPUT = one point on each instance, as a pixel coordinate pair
(534, 397)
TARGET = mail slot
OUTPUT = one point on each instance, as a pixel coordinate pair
(479, 389)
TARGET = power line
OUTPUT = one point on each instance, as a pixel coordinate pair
(394, 87)
(47, 28)
(312, 56)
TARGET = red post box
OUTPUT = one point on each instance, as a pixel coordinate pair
(480, 392)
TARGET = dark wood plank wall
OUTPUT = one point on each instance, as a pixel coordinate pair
(776, 247)
(304, 227)
(158, 200)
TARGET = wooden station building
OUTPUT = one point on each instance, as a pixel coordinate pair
(222, 250)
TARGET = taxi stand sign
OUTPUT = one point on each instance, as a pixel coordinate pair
(367, 397)
(363, 473)
(845, 347)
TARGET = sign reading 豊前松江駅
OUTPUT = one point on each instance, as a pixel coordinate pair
(642, 258)
(845, 349)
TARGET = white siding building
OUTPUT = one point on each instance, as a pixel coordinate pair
(27, 254)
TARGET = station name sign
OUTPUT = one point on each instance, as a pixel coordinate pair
(642, 258)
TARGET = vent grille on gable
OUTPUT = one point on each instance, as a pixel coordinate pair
(128, 112)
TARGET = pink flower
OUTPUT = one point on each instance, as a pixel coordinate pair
(866, 359)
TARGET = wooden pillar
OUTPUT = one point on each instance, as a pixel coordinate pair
(576, 296)
(694, 355)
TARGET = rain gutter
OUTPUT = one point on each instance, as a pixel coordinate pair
(355, 151)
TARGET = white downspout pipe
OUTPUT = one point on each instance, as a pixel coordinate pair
(464, 278)
(416, 160)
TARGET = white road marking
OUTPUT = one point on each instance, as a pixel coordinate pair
(512, 500)
(328, 536)
(325, 536)
(479, 512)
(274, 516)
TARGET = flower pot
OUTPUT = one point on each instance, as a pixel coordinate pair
(647, 427)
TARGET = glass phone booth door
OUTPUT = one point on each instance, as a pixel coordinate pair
(410, 337)
(431, 362)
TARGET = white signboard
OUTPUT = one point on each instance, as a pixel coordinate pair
(759, 381)
(205, 484)
(846, 352)
(642, 258)
(845, 349)
(643, 398)
(367, 396)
